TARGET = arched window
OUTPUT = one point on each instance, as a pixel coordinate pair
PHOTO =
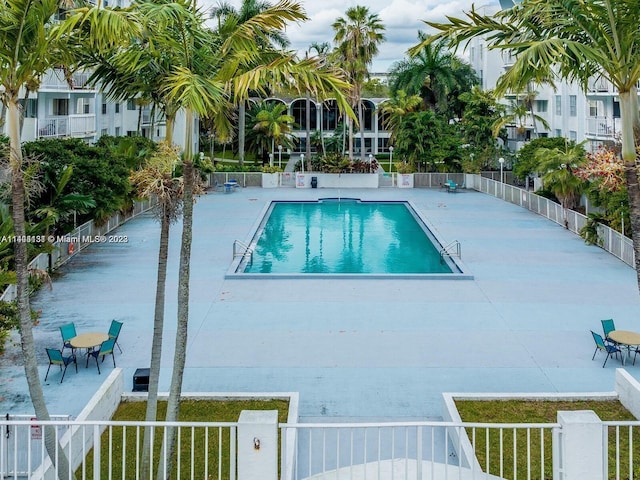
(330, 115)
(368, 109)
(298, 111)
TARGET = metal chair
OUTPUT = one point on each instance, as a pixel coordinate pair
(114, 331)
(610, 350)
(56, 358)
(608, 326)
(68, 331)
(106, 348)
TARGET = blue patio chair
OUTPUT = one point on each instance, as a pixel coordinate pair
(56, 358)
(114, 331)
(68, 331)
(106, 348)
(610, 350)
(608, 326)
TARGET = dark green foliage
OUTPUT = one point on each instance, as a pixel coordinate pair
(428, 142)
(526, 162)
(98, 172)
(613, 206)
(476, 126)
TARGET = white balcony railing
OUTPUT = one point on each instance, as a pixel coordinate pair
(603, 127)
(55, 80)
(327, 451)
(80, 126)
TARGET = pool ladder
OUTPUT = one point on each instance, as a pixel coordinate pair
(450, 250)
(241, 249)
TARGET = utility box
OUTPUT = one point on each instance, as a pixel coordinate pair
(141, 380)
(314, 182)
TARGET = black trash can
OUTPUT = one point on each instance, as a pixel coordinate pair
(314, 182)
(141, 380)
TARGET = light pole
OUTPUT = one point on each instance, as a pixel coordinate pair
(302, 161)
(390, 158)
(279, 156)
(370, 160)
(501, 160)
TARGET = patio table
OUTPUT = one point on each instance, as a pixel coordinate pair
(626, 338)
(89, 341)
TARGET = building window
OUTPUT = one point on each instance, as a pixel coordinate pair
(542, 106)
(593, 108)
(558, 105)
(117, 107)
(573, 105)
(330, 115)
(299, 109)
(558, 132)
(30, 110)
(104, 131)
(104, 109)
(573, 135)
(131, 104)
(117, 131)
(61, 106)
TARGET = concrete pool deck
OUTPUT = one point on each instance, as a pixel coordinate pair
(353, 348)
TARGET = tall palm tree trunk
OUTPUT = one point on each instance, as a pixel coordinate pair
(56, 454)
(361, 123)
(156, 345)
(184, 270)
(629, 114)
(307, 115)
(241, 127)
(350, 121)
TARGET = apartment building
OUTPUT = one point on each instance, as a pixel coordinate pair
(71, 107)
(569, 111)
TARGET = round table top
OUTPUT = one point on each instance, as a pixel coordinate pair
(625, 337)
(88, 340)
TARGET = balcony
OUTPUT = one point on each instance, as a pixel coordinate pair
(54, 81)
(600, 86)
(603, 128)
(78, 126)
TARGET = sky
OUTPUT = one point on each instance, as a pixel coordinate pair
(402, 20)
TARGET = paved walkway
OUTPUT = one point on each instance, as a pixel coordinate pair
(352, 348)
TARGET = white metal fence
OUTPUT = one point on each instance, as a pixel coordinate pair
(113, 450)
(68, 245)
(340, 451)
(431, 450)
(609, 239)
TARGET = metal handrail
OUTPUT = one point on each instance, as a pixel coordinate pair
(244, 250)
(452, 248)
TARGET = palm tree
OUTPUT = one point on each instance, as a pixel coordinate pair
(271, 120)
(516, 114)
(157, 179)
(322, 51)
(357, 36)
(229, 18)
(396, 108)
(62, 205)
(557, 167)
(427, 73)
(575, 41)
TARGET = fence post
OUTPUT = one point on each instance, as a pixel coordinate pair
(582, 445)
(258, 445)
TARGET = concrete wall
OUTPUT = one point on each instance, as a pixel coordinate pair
(337, 180)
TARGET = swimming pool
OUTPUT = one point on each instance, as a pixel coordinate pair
(344, 237)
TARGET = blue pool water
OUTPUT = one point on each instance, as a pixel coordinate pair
(344, 237)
